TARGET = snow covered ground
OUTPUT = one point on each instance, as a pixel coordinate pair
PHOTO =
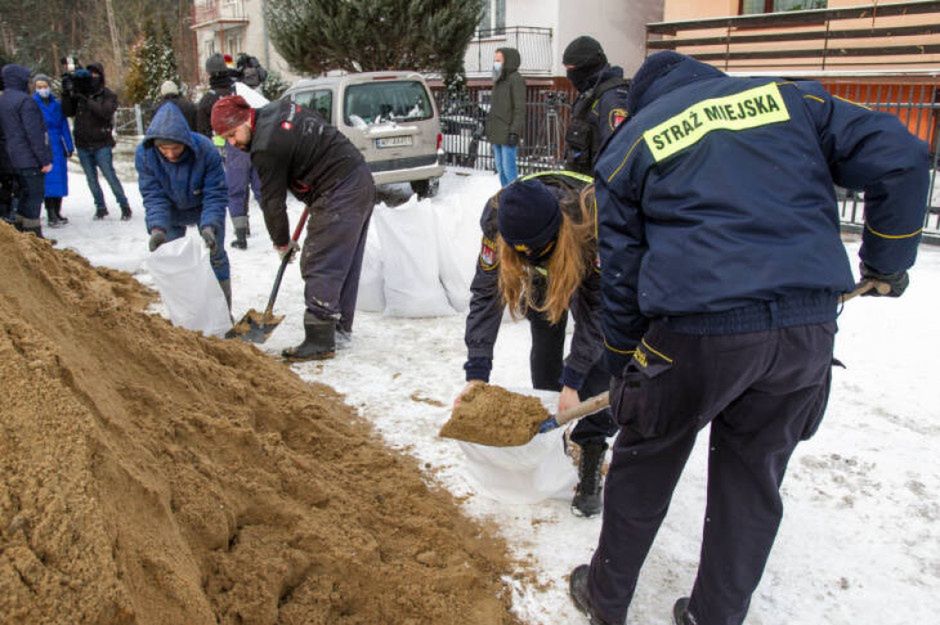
(860, 541)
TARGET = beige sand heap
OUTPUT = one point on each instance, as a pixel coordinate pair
(149, 475)
(491, 415)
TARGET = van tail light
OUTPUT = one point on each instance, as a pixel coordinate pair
(440, 140)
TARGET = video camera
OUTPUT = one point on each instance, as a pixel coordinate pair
(76, 79)
(555, 98)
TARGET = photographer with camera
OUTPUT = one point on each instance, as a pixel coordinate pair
(601, 104)
(85, 97)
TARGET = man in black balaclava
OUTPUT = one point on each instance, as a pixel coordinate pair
(601, 103)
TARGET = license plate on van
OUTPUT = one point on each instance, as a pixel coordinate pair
(393, 142)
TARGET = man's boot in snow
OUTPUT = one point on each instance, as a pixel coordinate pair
(227, 292)
(587, 496)
(577, 588)
(126, 213)
(319, 341)
(37, 231)
(681, 614)
(241, 238)
(101, 212)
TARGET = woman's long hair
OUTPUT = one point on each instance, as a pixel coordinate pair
(573, 256)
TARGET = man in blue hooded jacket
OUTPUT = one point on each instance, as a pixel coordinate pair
(182, 183)
(721, 273)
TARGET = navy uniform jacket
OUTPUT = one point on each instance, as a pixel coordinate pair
(604, 114)
(718, 194)
(486, 304)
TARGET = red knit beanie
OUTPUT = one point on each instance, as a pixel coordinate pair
(229, 113)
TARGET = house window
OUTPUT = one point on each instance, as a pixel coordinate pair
(494, 17)
(750, 7)
(233, 43)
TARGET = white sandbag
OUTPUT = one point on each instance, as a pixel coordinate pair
(458, 248)
(254, 98)
(409, 261)
(371, 294)
(184, 278)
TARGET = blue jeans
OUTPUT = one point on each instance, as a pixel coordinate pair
(101, 158)
(505, 157)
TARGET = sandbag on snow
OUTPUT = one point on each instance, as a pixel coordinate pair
(183, 276)
(409, 261)
(458, 246)
(371, 294)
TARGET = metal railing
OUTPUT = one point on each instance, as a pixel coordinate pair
(534, 45)
(211, 11)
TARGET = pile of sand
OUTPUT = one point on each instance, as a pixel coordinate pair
(151, 475)
(491, 415)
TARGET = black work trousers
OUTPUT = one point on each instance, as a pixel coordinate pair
(546, 360)
(762, 393)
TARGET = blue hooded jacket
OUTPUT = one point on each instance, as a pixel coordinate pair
(60, 142)
(718, 195)
(24, 129)
(190, 191)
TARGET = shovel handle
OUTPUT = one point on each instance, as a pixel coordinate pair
(883, 288)
(285, 261)
(588, 406)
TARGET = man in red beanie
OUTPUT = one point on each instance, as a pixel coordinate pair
(293, 149)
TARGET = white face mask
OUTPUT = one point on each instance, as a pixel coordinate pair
(45, 92)
(497, 68)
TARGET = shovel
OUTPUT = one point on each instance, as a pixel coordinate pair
(585, 408)
(257, 327)
(883, 288)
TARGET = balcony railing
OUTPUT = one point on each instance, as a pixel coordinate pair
(534, 46)
(898, 34)
(218, 13)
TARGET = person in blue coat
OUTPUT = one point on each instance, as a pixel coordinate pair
(27, 146)
(722, 270)
(182, 184)
(60, 141)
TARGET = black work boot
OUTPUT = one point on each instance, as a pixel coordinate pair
(587, 496)
(319, 342)
(101, 212)
(37, 231)
(681, 614)
(126, 213)
(58, 213)
(577, 588)
(241, 238)
(52, 219)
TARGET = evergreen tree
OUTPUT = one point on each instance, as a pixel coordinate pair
(316, 36)
(273, 86)
(152, 61)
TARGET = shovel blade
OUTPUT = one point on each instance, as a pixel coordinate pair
(255, 327)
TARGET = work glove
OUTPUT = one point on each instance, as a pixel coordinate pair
(208, 235)
(288, 250)
(896, 281)
(157, 238)
(513, 140)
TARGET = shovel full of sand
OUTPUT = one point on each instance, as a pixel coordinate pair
(506, 457)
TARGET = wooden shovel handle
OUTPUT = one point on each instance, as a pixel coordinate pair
(588, 406)
(882, 287)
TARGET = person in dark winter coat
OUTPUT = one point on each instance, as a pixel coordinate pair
(722, 271)
(221, 84)
(7, 179)
(538, 257)
(182, 184)
(171, 95)
(601, 104)
(294, 150)
(60, 141)
(505, 120)
(93, 107)
(27, 146)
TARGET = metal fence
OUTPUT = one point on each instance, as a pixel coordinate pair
(533, 43)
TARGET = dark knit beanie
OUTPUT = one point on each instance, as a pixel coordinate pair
(529, 215)
(229, 113)
(215, 64)
(584, 52)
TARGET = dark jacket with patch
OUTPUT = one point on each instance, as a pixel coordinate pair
(24, 129)
(220, 85)
(187, 108)
(294, 150)
(486, 304)
(594, 118)
(189, 191)
(507, 104)
(717, 195)
(94, 115)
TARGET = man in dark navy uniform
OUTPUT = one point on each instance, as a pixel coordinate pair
(721, 273)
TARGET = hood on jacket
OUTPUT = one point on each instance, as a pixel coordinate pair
(169, 124)
(664, 72)
(99, 68)
(511, 61)
(16, 77)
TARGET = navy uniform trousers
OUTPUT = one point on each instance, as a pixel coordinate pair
(331, 259)
(762, 393)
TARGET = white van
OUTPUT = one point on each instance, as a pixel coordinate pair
(390, 116)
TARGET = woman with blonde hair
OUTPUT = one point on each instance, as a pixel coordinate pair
(538, 257)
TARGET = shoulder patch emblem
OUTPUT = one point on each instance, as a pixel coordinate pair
(488, 258)
(616, 117)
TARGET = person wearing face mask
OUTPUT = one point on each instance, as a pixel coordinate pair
(294, 150)
(601, 104)
(93, 106)
(505, 120)
(60, 140)
(182, 184)
(538, 256)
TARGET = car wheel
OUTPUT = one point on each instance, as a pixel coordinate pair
(425, 188)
